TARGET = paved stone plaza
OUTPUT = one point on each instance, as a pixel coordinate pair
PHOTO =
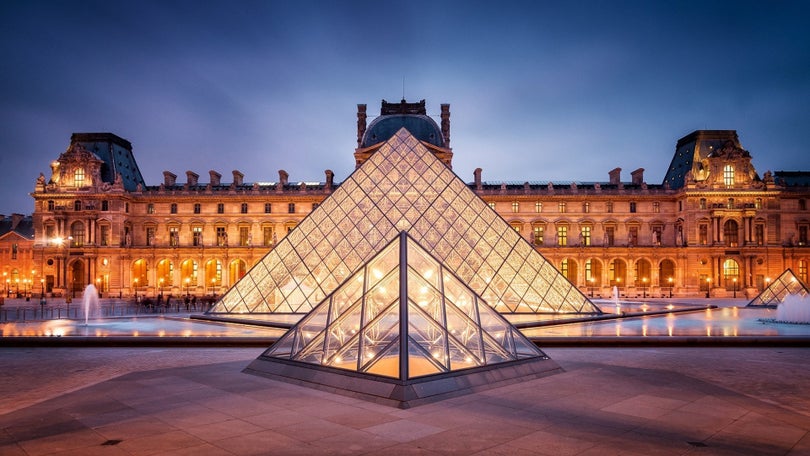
(128, 401)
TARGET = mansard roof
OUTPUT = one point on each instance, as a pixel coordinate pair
(116, 154)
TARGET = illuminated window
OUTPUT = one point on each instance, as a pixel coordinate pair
(196, 236)
(758, 203)
(174, 236)
(728, 175)
(731, 271)
(803, 270)
(586, 235)
(538, 231)
(515, 206)
(538, 207)
(516, 226)
(562, 235)
(561, 207)
(564, 267)
(78, 177)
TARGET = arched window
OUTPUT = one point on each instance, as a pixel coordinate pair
(165, 273)
(139, 277)
(728, 175)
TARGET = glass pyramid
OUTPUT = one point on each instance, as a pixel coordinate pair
(403, 187)
(403, 316)
(786, 284)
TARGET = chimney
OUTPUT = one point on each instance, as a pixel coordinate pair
(361, 123)
(477, 176)
(638, 176)
(216, 178)
(282, 177)
(237, 177)
(192, 177)
(330, 178)
(446, 124)
(169, 178)
(615, 176)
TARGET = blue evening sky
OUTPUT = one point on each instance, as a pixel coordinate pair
(539, 90)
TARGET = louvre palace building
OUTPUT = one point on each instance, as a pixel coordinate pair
(715, 226)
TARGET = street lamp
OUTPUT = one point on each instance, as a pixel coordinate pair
(735, 287)
(670, 287)
(188, 285)
(213, 281)
(708, 286)
(644, 288)
(136, 288)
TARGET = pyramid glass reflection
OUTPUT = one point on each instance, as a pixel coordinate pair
(786, 284)
(403, 187)
(408, 330)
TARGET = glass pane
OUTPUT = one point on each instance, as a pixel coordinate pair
(387, 363)
(419, 362)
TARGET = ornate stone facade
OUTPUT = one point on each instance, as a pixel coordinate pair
(713, 226)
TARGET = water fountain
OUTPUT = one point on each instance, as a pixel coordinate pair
(90, 297)
(794, 309)
(616, 300)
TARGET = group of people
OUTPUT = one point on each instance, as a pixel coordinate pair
(189, 301)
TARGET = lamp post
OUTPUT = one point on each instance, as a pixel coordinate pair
(644, 288)
(708, 286)
(136, 288)
(735, 287)
(188, 285)
(591, 281)
(98, 286)
(213, 281)
(670, 287)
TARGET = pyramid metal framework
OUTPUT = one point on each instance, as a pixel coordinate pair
(408, 331)
(786, 284)
(403, 187)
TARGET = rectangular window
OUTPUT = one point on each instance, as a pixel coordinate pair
(656, 232)
(538, 232)
(173, 208)
(586, 207)
(632, 238)
(78, 177)
(291, 208)
(538, 207)
(244, 236)
(150, 208)
(268, 236)
(728, 175)
(802, 205)
(561, 207)
(105, 205)
(244, 208)
(174, 236)
(586, 236)
(610, 236)
(150, 236)
(609, 207)
(516, 226)
(759, 234)
(220, 208)
(758, 203)
(515, 206)
(656, 207)
(126, 208)
(703, 234)
(632, 206)
(803, 235)
(104, 231)
(51, 205)
(222, 237)
(197, 208)
(702, 204)
(268, 208)
(196, 239)
(562, 235)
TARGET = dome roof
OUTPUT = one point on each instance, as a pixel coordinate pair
(420, 126)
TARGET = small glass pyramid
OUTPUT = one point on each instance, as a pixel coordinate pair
(403, 187)
(786, 284)
(403, 320)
